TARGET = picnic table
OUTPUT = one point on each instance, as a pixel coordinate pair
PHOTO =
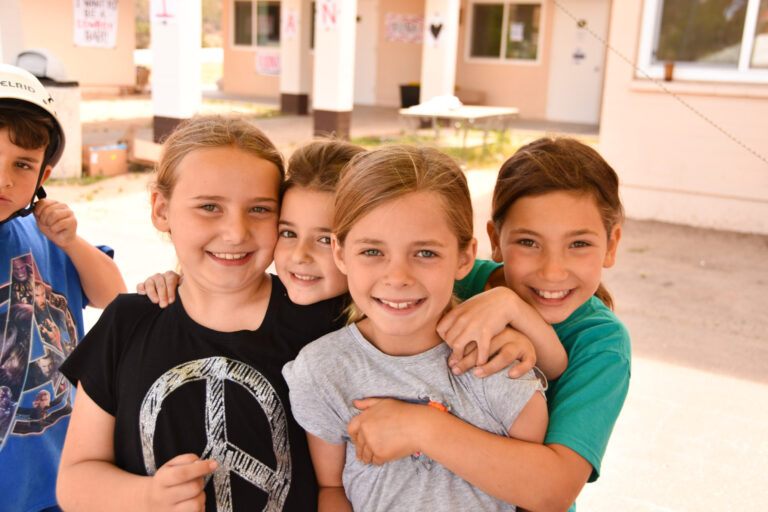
(464, 117)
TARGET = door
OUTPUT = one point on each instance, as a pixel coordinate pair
(577, 62)
(365, 51)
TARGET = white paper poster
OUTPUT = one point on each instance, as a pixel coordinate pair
(328, 14)
(406, 28)
(164, 11)
(517, 32)
(435, 30)
(96, 23)
(290, 23)
(268, 62)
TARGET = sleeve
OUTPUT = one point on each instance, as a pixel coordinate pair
(94, 361)
(318, 404)
(587, 402)
(507, 397)
(474, 282)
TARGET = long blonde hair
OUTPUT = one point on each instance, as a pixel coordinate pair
(211, 131)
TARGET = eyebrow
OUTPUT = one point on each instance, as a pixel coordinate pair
(223, 198)
(291, 224)
(576, 232)
(420, 243)
(29, 159)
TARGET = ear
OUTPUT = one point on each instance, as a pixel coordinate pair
(338, 254)
(613, 244)
(466, 259)
(160, 212)
(493, 235)
(46, 174)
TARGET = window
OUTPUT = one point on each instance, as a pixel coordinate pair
(266, 24)
(713, 40)
(505, 30)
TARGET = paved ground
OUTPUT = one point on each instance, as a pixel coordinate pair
(693, 434)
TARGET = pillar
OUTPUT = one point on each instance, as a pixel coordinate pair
(438, 58)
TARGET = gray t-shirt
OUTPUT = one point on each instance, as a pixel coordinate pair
(342, 366)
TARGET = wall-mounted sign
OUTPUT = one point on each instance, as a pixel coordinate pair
(328, 14)
(164, 11)
(96, 23)
(268, 62)
(406, 28)
(290, 23)
(435, 30)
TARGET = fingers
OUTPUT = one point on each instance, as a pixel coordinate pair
(527, 360)
(461, 362)
(365, 403)
(184, 468)
(160, 288)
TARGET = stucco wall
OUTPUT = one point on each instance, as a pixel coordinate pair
(398, 62)
(239, 74)
(521, 85)
(674, 165)
(49, 24)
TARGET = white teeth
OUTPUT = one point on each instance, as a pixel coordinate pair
(552, 295)
(398, 305)
(302, 277)
(230, 255)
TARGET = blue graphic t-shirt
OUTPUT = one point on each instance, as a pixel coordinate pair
(41, 322)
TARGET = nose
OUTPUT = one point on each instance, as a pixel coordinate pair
(300, 252)
(5, 175)
(235, 228)
(553, 267)
(398, 273)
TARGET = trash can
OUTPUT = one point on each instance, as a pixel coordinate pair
(66, 101)
(409, 95)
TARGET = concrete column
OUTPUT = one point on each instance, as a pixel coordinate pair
(176, 29)
(295, 66)
(11, 37)
(334, 70)
(438, 58)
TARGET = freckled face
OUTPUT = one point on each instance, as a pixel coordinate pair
(554, 247)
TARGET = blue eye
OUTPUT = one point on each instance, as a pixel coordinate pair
(260, 209)
(426, 253)
(371, 252)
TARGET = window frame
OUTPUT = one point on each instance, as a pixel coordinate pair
(501, 59)
(649, 34)
(254, 27)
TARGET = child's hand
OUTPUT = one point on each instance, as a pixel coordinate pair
(507, 347)
(382, 432)
(179, 483)
(56, 221)
(160, 288)
(477, 320)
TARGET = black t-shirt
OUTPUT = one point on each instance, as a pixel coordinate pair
(177, 387)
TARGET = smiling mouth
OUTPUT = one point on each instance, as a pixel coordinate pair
(400, 304)
(552, 295)
(304, 277)
(230, 256)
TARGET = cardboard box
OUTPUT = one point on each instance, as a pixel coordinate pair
(105, 160)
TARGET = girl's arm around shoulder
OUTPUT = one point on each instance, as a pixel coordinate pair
(89, 480)
(483, 316)
(328, 460)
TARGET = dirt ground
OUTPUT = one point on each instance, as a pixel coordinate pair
(693, 434)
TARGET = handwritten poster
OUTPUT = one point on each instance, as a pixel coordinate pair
(406, 28)
(290, 23)
(164, 11)
(96, 23)
(328, 14)
(268, 62)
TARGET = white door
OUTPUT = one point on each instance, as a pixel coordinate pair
(365, 51)
(578, 60)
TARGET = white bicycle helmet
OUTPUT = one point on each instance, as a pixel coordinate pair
(19, 87)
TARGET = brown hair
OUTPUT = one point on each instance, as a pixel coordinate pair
(211, 131)
(28, 127)
(317, 165)
(561, 164)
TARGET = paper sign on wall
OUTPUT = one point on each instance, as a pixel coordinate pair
(268, 62)
(435, 30)
(290, 23)
(406, 28)
(517, 32)
(164, 11)
(328, 14)
(96, 23)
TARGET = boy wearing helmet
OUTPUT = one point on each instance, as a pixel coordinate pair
(39, 246)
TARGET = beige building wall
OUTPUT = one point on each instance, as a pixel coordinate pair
(521, 85)
(49, 24)
(674, 166)
(239, 74)
(398, 62)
